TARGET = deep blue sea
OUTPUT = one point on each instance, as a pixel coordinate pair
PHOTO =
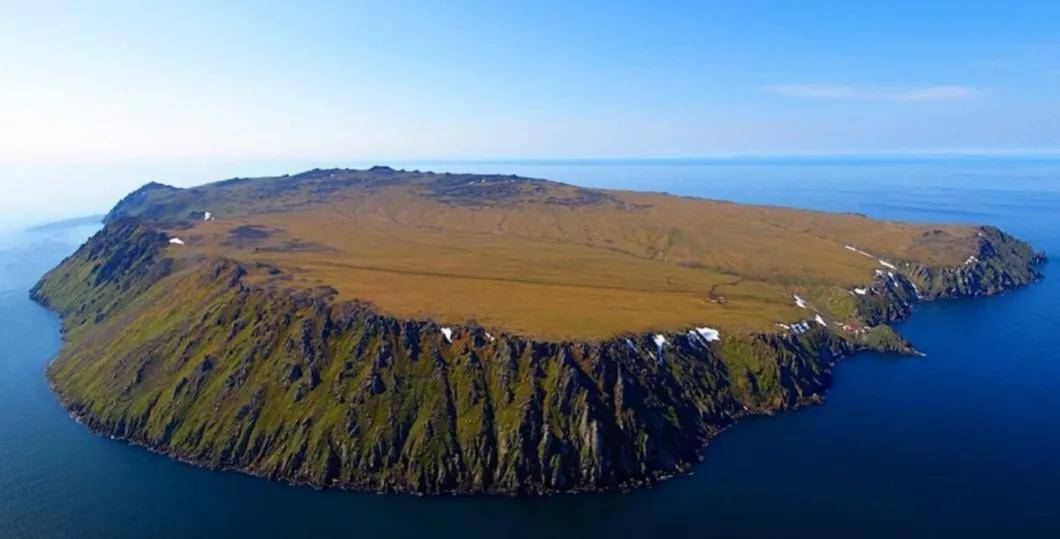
(964, 442)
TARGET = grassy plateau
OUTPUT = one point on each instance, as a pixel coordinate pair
(453, 333)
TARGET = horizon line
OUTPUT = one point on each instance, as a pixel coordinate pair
(1046, 154)
(896, 155)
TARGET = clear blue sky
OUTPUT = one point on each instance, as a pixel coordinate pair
(107, 83)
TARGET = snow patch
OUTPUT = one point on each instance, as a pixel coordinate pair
(861, 291)
(659, 342)
(490, 337)
(207, 216)
(856, 250)
(176, 241)
(886, 264)
(705, 333)
(799, 301)
(820, 320)
(448, 333)
(971, 260)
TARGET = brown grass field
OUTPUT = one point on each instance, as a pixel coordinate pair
(555, 261)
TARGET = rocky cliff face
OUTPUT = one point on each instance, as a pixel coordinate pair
(204, 365)
(1001, 263)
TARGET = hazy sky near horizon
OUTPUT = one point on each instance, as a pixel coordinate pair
(141, 87)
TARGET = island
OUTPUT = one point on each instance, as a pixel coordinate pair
(422, 332)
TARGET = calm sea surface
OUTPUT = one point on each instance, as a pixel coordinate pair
(964, 442)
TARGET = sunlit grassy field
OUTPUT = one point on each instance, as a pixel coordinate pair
(556, 261)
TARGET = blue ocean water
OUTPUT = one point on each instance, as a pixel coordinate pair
(964, 442)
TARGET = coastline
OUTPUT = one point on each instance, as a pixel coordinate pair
(821, 354)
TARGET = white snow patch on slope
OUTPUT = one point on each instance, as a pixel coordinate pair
(858, 251)
(820, 320)
(659, 342)
(705, 333)
(886, 263)
(207, 216)
(799, 301)
(176, 241)
(861, 291)
(448, 332)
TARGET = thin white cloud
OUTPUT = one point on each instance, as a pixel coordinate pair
(825, 91)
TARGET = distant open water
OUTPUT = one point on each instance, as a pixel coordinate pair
(964, 442)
